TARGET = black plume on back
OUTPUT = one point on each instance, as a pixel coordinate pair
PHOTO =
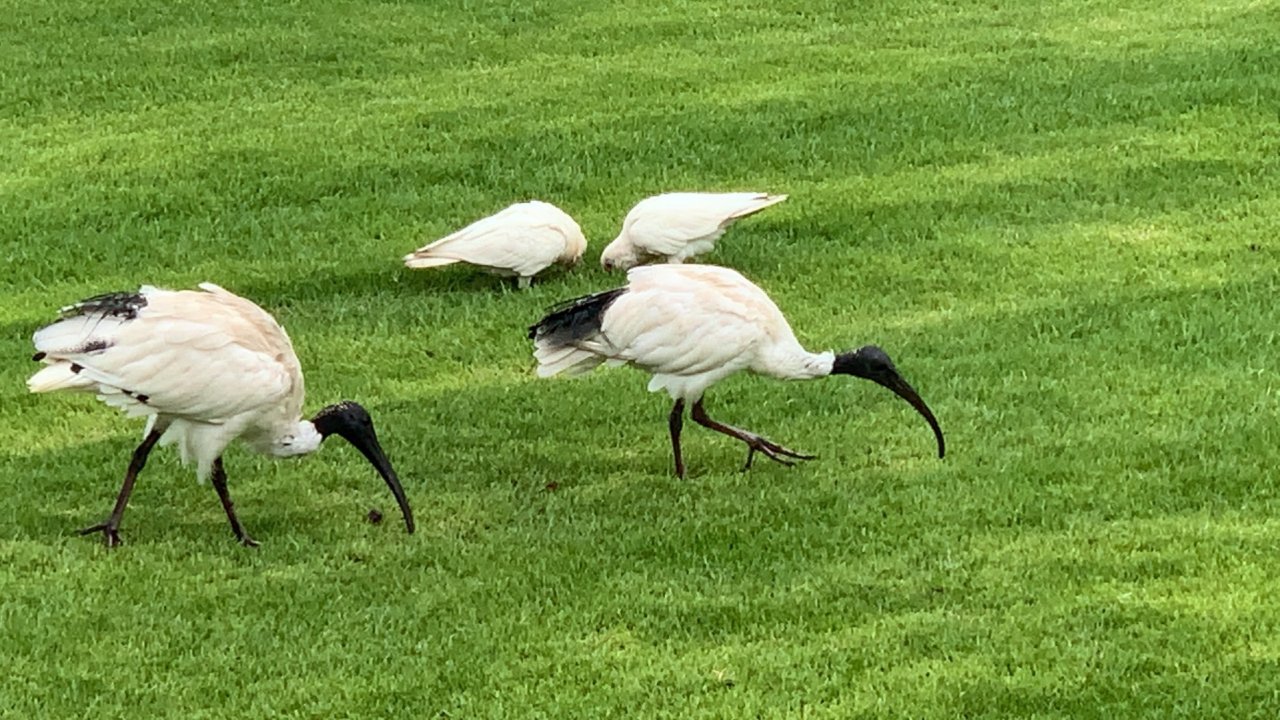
(116, 304)
(575, 319)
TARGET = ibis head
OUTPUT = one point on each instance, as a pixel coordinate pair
(352, 423)
(872, 363)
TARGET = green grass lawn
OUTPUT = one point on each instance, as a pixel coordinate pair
(1059, 217)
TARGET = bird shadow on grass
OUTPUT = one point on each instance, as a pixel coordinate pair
(272, 502)
(464, 278)
(370, 282)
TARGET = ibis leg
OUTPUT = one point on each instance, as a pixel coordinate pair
(111, 528)
(676, 422)
(524, 282)
(755, 443)
(220, 484)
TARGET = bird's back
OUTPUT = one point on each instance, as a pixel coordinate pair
(714, 309)
(680, 225)
(208, 366)
(203, 355)
(718, 289)
(522, 239)
(690, 325)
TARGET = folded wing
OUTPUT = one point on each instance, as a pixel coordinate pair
(209, 355)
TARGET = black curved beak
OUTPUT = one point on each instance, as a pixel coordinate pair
(366, 441)
(352, 423)
(904, 390)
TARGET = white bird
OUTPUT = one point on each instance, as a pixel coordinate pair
(205, 368)
(520, 241)
(678, 226)
(692, 326)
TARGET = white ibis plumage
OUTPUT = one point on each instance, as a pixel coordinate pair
(677, 226)
(205, 367)
(692, 326)
(520, 241)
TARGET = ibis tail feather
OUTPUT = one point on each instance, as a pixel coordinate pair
(756, 205)
(59, 376)
(558, 337)
(576, 319)
(426, 261)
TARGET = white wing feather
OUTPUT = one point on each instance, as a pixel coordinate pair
(205, 356)
(523, 239)
(689, 325)
(677, 226)
(681, 321)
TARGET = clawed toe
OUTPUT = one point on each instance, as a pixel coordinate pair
(110, 535)
(771, 450)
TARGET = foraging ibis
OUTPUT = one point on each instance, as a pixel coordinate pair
(520, 241)
(692, 326)
(205, 367)
(678, 226)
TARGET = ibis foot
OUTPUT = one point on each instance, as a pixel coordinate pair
(771, 450)
(247, 541)
(111, 528)
(110, 533)
(755, 443)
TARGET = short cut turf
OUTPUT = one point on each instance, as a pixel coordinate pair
(1059, 218)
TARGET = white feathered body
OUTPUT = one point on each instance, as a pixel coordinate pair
(689, 325)
(204, 366)
(522, 241)
(677, 226)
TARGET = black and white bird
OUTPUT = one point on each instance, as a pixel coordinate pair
(205, 368)
(674, 227)
(692, 326)
(520, 241)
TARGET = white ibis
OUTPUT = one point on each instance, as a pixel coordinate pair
(520, 241)
(677, 226)
(205, 368)
(692, 326)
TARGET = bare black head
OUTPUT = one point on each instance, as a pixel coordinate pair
(352, 423)
(872, 363)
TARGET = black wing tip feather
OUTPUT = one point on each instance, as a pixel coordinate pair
(116, 304)
(575, 319)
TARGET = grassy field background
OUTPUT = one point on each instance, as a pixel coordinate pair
(1060, 218)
